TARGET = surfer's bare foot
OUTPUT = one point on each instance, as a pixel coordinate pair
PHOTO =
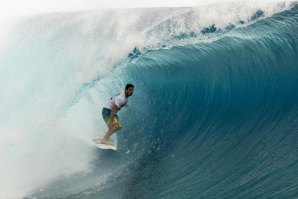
(106, 142)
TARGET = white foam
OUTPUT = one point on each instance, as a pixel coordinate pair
(46, 114)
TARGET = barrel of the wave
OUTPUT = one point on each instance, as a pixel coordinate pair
(222, 115)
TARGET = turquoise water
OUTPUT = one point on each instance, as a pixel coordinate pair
(214, 113)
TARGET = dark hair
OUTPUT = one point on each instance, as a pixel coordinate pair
(128, 86)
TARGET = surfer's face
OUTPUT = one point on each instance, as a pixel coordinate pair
(129, 91)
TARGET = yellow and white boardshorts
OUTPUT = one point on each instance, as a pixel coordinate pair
(106, 113)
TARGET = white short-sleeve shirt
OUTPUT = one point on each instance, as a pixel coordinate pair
(119, 100)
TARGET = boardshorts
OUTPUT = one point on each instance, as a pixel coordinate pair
(106, 117)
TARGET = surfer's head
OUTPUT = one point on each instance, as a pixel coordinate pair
(129, 90)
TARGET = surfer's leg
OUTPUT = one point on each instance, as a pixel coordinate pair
(109, 133)
(116, 126)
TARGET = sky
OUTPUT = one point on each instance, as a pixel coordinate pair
(15, 8)
(12, 8)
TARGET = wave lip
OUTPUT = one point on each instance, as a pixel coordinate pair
(50, 107)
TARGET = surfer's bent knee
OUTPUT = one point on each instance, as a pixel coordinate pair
(118, 127)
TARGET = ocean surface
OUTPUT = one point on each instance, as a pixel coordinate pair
(214, 113)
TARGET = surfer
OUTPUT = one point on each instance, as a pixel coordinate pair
(109, 112)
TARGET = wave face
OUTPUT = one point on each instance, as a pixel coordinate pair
(214, 114)
(224, 116)
(221, 117)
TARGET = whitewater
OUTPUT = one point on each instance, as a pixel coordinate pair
(214, 113)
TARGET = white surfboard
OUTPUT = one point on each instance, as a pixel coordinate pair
(104, 146)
